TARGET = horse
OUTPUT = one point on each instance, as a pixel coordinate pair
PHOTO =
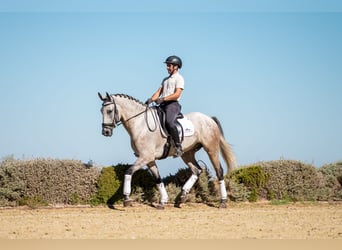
(147, 141)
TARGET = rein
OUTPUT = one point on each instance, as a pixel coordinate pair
(116, 122)
(120, 122)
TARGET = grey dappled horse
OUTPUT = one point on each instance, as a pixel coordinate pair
(147, 141)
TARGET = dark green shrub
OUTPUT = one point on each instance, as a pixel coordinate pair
(174, 183)
(253, 178)
(110, 185)
(11, 186)
(178, 179)
(204, 190)
(143, 186)
(237, 191)
(206, 187)
(332, 174)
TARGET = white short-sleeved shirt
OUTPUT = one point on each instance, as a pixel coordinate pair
(171, 83)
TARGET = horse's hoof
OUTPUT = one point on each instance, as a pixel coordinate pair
(183, 197)
(177, 205)
(179, 202)
(223, 204)
(127, 203)
(160, 207)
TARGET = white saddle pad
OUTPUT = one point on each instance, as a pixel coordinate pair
(187, 125)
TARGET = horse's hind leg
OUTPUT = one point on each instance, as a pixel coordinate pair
(189, 159)
(160, 185)
(214, 158)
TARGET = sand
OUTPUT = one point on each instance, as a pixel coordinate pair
(191, 221)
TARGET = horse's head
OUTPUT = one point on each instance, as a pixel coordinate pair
(110, 116)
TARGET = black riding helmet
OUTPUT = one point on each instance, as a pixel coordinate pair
(175, 60)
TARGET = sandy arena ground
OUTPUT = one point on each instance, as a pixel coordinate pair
(192, 221)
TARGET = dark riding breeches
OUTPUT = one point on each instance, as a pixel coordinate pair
(172, 109)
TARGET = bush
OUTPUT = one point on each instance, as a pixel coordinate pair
(292, 180)
(48, 181)
(110, 185)
(11, 186)
(332, 174)
(333, 169)
(237, 191)
(253, 178)
(40, 182)
(204, 190)
(143, 186)
(282, 180)
(285, 180)
(107, 185)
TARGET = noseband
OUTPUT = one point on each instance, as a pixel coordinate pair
(116, 119)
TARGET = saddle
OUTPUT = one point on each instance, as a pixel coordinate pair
(184, 127)
(162, 123)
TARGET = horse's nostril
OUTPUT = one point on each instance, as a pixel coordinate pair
(106, 132)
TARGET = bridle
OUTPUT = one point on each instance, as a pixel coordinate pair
(116, 119)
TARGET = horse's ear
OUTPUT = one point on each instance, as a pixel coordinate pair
(101, 97)
(108, 96)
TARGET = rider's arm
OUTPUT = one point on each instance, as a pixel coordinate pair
(174, 96)
(156, 95)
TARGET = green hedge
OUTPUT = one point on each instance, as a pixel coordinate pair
(286, 180)
(40, 182)
(46, 181)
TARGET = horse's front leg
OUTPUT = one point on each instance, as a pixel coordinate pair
(139, 163)
(160, 185)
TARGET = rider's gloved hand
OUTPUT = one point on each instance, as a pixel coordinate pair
(160, 100)
(148, 101)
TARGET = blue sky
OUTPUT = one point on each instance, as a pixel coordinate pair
(270, 72)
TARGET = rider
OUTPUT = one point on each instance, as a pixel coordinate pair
(168, 96)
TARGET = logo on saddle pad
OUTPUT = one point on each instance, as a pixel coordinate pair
(185, 127)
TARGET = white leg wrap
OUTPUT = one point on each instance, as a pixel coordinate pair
(127, 185)
(223, 190)
(188, 185)
(163, 194)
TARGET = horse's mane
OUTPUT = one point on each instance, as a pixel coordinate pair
(130, 98)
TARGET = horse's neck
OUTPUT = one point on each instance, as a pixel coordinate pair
(131, 112)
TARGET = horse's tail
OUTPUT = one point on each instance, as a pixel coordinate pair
(225, 148)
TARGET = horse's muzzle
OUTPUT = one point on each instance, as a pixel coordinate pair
(107, 131)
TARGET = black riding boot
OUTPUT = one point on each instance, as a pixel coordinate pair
(178, 145)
